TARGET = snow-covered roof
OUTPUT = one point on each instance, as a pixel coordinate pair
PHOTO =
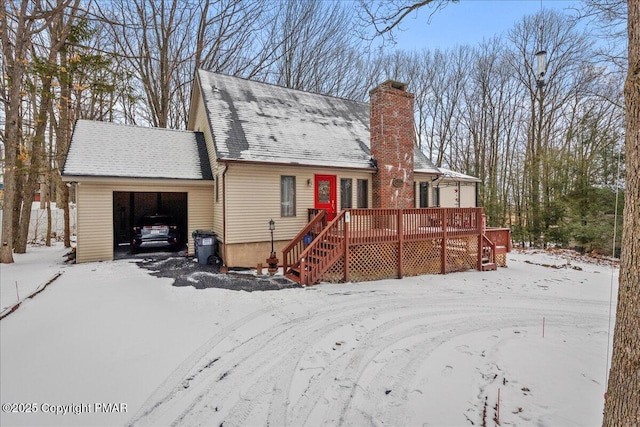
(457, 176)
(261, 122)
(104, 149)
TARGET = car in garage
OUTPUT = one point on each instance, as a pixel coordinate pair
(156, 230)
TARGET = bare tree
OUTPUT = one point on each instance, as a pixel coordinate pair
(566, 49)
(386, 16)
(59, 26)
(153, 38)
(315, 44)
(492, 119)
(21, 21)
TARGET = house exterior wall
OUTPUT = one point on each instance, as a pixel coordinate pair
(253, 198)
(199, 122)
(426, 178)
(392, 145)
(94, 221)
(468, 195)
(452, 195)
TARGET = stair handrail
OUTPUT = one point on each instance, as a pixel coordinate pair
(309, 276)
(492, 247)
(295, 243)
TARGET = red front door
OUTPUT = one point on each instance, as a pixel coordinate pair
(325, 194)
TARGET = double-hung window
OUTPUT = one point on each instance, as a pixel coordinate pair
(287, 196)
(424, 195)
(346, 193)
(363, 193)
(436, 196)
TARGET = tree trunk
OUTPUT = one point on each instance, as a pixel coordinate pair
(15, 70)
(622, 406)
(35, 166)
(63, 136)
(47, 240)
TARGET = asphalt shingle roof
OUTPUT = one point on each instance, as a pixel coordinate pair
(114, 150)
(261, 122)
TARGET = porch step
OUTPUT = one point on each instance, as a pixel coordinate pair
(293, 274)
(487, 266)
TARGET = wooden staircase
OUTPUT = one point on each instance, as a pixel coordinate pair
(489, 251)
(313, 259)
(488, 255)
(321, 247)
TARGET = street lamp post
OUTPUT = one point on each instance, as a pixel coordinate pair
(541, 59)
(541, 71)
(272, 261)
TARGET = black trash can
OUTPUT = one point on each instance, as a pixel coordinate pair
(205, 243)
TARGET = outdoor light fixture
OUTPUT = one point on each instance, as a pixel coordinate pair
(272, 226)
(541, 59)
(272, 261)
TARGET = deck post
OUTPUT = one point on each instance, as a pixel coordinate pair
(303, 272)
(347, 221)
(400, 228)
(443, 256)
(479, 223)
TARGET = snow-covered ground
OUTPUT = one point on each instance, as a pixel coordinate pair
(430, 350)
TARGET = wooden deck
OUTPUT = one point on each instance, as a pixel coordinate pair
(370, 244)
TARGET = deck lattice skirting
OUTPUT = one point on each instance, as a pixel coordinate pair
(376, 244)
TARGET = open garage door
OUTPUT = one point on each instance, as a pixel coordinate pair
(130, 206)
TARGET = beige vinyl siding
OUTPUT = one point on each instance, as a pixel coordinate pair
(467, 195)
(198, 122)
(94, 223)
(449, 198)
(253, 198)
(200, 211)
(218, 206)
(95, 211)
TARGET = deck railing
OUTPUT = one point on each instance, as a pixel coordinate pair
(385, 225)
(500, 236)
(443, 232)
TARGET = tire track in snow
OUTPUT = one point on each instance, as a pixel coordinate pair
(400, 374)
(193, 364)
(244, 376)
(286, 343)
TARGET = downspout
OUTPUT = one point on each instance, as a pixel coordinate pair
(435, 183)
(224, 213)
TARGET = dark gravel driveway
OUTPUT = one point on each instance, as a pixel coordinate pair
(187, 272)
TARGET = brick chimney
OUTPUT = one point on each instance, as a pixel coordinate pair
(392, 145)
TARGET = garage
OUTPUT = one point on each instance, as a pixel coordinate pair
(119, 173)
(129, 207)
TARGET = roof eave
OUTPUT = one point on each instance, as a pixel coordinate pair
(302, 165)
(127, 179)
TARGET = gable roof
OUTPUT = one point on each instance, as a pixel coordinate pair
(102, 149)
(261, 122)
